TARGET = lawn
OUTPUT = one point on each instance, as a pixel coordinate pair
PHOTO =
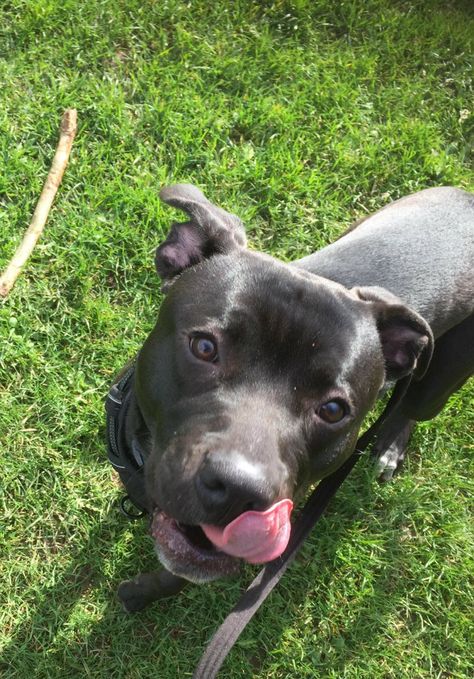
(300, 116)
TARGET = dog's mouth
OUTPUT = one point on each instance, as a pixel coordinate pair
(187, 552)
(196, 536)
(205, 552)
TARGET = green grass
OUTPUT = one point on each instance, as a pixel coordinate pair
(300, 117)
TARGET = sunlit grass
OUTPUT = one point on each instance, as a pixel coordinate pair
(300, 117)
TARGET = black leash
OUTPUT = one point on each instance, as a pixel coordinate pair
(230, 630)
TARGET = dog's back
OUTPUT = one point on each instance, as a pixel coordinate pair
(424, 238)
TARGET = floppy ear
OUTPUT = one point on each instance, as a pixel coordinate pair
(209, 231)
(406, 338)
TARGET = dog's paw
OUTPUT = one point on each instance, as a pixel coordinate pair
(390, 458)
(388, 463)
(134, 595)
(137, 594)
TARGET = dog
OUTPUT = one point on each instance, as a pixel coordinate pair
(256, 378)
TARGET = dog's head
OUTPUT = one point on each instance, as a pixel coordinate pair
(253, 384)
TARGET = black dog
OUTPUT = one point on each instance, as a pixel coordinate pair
(258, 374)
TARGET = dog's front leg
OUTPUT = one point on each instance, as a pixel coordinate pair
(146, 588)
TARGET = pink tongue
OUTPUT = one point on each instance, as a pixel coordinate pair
(256, 537)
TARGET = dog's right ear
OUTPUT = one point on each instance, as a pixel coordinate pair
(406, 338)
(209, 231)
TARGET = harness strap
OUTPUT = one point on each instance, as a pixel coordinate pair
(127, 459)
(113, 406)
(230, 630)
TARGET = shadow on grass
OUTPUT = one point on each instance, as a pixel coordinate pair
(34, 640)
(171, 635)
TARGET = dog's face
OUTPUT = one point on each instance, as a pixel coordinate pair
(254, 381)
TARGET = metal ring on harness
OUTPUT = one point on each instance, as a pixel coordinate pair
(130, 510)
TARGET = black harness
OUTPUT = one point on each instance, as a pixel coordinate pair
(129, 462)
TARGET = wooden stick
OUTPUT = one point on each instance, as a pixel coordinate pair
(38, 221)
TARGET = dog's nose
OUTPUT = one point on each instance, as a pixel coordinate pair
(227, 484)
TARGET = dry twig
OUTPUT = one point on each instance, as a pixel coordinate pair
(38, 221)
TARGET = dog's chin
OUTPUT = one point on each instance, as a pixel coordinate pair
(185, 551)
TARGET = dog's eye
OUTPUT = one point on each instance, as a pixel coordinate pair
(332, 411)
(203, 347)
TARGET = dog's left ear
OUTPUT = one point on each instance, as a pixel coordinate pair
(209, 231)
(406, 338)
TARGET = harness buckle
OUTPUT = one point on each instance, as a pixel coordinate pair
(114, 399)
